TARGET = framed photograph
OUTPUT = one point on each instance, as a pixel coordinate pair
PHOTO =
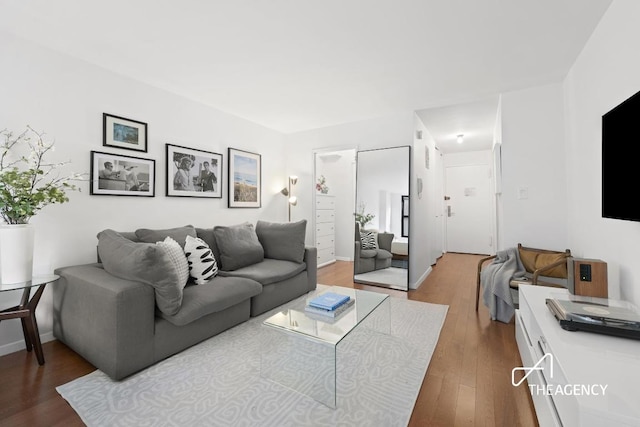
(245, 179)
(193, 173)
(117, 175)
(124, 133)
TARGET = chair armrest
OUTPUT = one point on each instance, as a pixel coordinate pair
(480, 263)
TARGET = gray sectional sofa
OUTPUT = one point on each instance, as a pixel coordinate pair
(116, 314)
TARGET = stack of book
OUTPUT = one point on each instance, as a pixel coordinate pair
(329, 304)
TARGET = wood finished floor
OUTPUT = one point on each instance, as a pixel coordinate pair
(468, 382)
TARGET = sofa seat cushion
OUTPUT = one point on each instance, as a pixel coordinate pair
(368, 253)
(216, 295)
(268, 271)
(383, 254)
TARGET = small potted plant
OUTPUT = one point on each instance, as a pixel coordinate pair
(28, 183)
(363, 218)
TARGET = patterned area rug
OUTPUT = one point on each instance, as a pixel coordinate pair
(218, 382)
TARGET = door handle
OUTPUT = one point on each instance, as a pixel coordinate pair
(448, 210)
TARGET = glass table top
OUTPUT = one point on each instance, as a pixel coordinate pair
(34, 282)
(296, 319)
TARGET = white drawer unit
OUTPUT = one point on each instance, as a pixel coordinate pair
(325, 215)
(579, 378)
(325, 202)
(325, 229)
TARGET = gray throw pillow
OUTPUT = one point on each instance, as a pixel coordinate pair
(179, 234)
(283, 241)
(238, 245)
(142, 262)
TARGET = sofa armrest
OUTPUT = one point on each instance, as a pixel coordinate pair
(311, 259)
(107, 320)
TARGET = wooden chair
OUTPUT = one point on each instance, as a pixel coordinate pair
(543, 267)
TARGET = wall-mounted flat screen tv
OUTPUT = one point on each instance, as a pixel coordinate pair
(621, 160)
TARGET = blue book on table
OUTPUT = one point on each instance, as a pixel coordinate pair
(329, 301)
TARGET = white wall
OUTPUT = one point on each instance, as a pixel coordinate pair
(606, 73)
(427, 207)
(66, 98)
(534, 160)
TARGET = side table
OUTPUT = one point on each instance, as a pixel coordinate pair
(26, 311)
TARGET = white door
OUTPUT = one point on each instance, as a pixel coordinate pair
(469, 212)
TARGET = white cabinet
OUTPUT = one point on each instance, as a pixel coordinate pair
(325, 229)
(572, 368)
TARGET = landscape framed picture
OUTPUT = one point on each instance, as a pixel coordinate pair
(245, 179)
(193, 173)
(118, 175)
(124, 133)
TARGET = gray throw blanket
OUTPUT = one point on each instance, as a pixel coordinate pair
(495, 278)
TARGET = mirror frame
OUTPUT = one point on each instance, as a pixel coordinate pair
(405, 198)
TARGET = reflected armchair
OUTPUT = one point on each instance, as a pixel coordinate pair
(375, 258)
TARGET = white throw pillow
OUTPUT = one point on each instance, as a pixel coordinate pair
(202, 263)
(178, 259)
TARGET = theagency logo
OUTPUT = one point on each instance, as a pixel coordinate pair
(550, 389)
(529, 371)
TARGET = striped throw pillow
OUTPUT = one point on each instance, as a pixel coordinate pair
(202, 263)
(369, 239)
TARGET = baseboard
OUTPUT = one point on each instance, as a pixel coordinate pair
(422, 278)
(19, 345)
(343, 258)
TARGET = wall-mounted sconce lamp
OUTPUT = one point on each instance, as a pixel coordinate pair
(460, 138)
(287, 191)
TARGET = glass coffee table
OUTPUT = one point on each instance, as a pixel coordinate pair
(299, 349)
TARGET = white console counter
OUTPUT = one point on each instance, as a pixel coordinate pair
(584, 364)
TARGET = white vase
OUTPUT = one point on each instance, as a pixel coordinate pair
(16, 253)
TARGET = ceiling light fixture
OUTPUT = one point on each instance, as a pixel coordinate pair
(460, 138)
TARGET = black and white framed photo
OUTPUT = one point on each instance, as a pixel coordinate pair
(245, 179)
(124, 133)
(193, 173)
(118, 175)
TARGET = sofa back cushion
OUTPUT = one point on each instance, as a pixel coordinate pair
(283, 241)
(238, 246)
(179, 234)
(143, 262)
(209, 238)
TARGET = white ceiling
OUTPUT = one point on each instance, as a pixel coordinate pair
(474, 120)
(294, 65)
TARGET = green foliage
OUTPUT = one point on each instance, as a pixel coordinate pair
(363, 218)
(27, 182)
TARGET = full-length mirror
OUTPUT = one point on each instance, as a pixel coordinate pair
(381, 241)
